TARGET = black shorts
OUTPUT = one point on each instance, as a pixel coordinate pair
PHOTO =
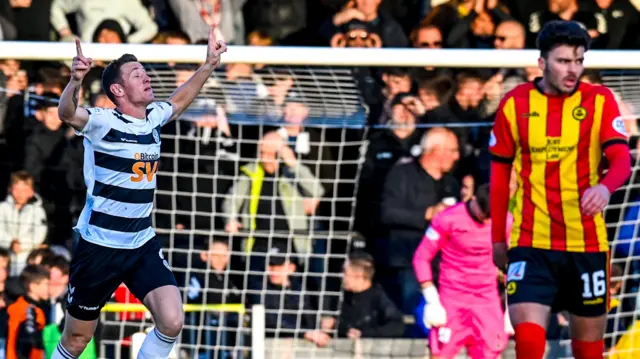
(571, 281)
(97, 271)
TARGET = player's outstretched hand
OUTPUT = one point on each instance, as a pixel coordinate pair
(594, 200)
(80, 65)
(215, 49)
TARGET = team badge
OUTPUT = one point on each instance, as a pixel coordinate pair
(579, 113)
(156, 135)
(511, 288)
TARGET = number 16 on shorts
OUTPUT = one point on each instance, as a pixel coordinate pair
(594, 286)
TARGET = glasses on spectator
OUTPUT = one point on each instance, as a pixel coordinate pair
(434, 44)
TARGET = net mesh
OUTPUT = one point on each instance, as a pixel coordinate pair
(210, 150)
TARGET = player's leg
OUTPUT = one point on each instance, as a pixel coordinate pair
(531, 290)
(152, 280)
(489, 335)
(446, 341)
(589, 283)
(95, 274)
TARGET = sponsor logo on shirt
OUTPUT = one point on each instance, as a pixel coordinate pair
(516, 271)
(432, 234)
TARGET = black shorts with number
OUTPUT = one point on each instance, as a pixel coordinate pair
(97, 271)
(571, 281)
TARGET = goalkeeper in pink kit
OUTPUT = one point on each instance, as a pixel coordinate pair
(466, 311)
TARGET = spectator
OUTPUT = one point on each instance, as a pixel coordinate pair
(367, 11)
(510, 34)
(130, 14)
(366, 310)
(476, 29)
(399, 139)
(55, 307)
(23, 222)
(47, 151)
(30, 18)
(567, 10)
(269, 197)
(396, 81)
(217, 285)
(414, 192)
(288, 309)
(281, 19)
(356, 33)
(196, 17)
(306, 143)
(26, 319)
(428, 36)
(622, 20)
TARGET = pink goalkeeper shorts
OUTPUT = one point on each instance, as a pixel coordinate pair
(479, 329)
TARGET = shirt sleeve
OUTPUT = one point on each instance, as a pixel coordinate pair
(433, 240)
(612, 129)
(501, 142)
(161, 112)
(97, 126)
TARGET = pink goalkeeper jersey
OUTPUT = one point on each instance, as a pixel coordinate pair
(467, 271)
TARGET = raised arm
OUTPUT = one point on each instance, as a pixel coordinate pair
(184, 95)
(68, 110)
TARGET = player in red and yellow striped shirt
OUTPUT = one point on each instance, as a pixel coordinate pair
(553, 131)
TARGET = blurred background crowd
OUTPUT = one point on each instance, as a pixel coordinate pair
(257, 177)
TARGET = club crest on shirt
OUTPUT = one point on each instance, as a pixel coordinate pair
(511, 288)
(156, 135)
(579, 113)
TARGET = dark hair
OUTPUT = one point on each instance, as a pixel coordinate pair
(482, 198)
(55, 261)
(559, 32)
(468, 75)
(441, 86)
(44, 252)
(20, 176)
(593, 76)
(4, 252)
(397, 71)
(33, 274)
(363, 261)
(111, 74)
(111, 25)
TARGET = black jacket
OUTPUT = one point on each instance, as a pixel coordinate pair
(385, 148)
(371, 312)
(288, 310)
(408, 191)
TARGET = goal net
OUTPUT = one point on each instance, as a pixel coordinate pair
(260, 195)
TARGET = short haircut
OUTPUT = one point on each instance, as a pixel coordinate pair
(20, 176)
(111, 74)
(33, 274)
(482, 198)
(413, 37)
(56, 261)
(593, 76)
(441, 86)
(44, 252)
(466, 76)
(5, 253)
(397, 71)
(559, 32)
(364, 262)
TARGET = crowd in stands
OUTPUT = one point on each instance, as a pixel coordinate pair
(248, 210)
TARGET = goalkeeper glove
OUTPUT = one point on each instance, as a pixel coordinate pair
(434, 314)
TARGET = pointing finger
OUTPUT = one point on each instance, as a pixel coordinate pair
(78, 47)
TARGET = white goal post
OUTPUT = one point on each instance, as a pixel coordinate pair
(330, 84)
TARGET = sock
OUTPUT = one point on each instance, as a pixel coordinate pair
(530, 341)
(587, 350)
(61, 353)
(156, 346)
